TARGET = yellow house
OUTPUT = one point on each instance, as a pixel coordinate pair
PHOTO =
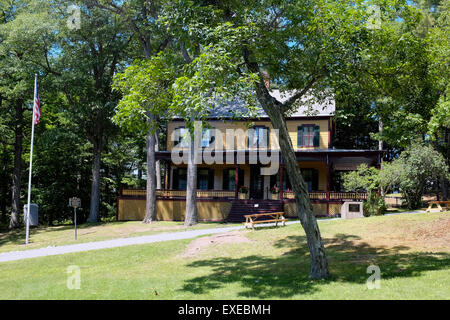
(232, 152)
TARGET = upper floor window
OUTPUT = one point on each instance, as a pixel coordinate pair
(308, 135)
(258, 137)
(207, 137)
(182, 139)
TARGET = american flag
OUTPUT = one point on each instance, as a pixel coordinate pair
(37, 104)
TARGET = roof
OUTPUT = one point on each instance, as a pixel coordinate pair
(307, 106)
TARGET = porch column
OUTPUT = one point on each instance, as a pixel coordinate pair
(236, 181)
(281, 182)
(328, 185)
(166, 175)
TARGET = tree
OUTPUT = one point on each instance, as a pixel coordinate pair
(417, 166)
(368, 179)
(26, 36)
(141, 18)
(90, 56)
(208, 80)
(146, 98)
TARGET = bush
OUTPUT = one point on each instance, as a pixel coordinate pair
(374, 206)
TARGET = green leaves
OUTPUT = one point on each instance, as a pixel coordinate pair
(418, 166)
(146, 88)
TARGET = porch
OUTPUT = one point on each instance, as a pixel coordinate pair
(221, 185)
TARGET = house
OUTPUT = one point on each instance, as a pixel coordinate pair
(237, 166)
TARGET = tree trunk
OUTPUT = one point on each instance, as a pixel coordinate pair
(15, 204)
(3, 185)
(150, 205)
(319, 264)
(191, 188)
(445, 181)
(380, 148)
(158, 163)
(273, 108)
(95, 186)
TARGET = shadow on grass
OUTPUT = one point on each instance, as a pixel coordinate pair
(287, 275)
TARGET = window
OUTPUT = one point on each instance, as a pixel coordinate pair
(179, 178)
(258, 137)
(205, 179)
(181, 139)
(229, 178)
(308, 135)
(275, 180)
(311, 177)
(207, 137)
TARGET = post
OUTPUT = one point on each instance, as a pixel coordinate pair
(236, 182)
(281, 182)
(27, 231)
(166, 175)
(328, 185)
(75, 220)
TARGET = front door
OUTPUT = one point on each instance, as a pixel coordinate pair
(256, 183)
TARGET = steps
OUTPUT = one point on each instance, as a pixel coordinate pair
(239, 208)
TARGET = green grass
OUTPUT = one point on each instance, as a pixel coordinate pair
(412, 252)
(64, 234)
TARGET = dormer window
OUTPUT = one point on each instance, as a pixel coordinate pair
(308, 135)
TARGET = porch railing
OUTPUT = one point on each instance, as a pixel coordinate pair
(320, 195)
(226, 194)
(162, 193)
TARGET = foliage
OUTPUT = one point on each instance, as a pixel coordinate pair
(243, 189)
(275, 190)
(366, 179)
(145, 86)
(417, 167)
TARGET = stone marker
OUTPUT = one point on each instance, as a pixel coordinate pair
(352, 210)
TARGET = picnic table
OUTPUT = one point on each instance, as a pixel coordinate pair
(252, 219)
(438, 204)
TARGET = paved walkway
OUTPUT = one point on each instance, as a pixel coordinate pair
(96, 245)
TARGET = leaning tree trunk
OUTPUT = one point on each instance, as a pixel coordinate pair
(274, 109)
(191, 188)
(319, 264)
(15, 203)
(95, 186)
(150, 204)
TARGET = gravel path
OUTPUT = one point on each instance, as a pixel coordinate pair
(96, 245)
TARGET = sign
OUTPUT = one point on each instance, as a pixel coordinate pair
(75, 202)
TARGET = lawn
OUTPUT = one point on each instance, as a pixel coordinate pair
(412, 252)
(62, 235)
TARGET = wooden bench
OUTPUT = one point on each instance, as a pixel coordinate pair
(438, 204)
(252, 219)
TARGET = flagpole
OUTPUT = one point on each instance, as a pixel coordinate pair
(31, 164)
